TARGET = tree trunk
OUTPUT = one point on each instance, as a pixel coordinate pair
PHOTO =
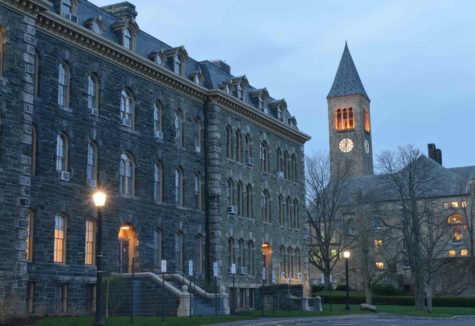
(419, 295)
(326, 280)
(429, 298)
(369, 295)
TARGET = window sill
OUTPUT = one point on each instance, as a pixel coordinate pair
(129, 129)
(65, 108)
(126, 196)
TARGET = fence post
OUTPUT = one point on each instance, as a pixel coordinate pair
(132, 306)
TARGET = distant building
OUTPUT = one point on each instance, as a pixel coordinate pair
(197, 163)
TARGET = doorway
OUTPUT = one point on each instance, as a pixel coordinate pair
(128, 248)
(267, 261)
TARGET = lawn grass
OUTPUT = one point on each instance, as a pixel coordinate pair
(436, 311)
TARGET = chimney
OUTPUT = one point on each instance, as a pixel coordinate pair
(222, 65)
(434, 153)
(123, 10)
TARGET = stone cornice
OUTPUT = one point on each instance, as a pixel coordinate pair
(30, 7)
(64, 29)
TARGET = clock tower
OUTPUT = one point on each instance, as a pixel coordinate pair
(349, 121)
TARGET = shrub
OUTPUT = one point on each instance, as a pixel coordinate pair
(317, 288)
(403, 300)
(386, 289)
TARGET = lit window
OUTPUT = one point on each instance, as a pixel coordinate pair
(179, 132)
(177, 64)
(344, 119)
(127, 39)
(454, 204)
(157, 182)
(452, 253)
(333, 253)
(126, 175)
(92, 94)
(367, 127)
(61, 153)
(91, 169)
(378, 244)
(179, 200)
(3, 46)
(463, 204)
(464, 252)
(456, 223)
(126, 109)
(29, 236)
(157, 119)
(59, 239)
(90, 243)
(379, 264)
(63, 84)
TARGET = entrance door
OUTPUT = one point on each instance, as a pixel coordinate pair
(123, 255)
(127, 248)
(267, 261)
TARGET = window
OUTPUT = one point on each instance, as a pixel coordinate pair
(179, 132)
(378, 244)
(229, 142)
(61, 153)
(295, 214)
(198, 135)
(90, 243)
(29, 236)
(126, 175)
(456, 223)
(126, 109)
(250, 257)
(446, 206)
(64, 79)
(249, 201)
(248, 150)
(280, 167)
(157, 120)
(231, 252)
(298, 261)
(454, 204)
(464, 252)
(158, 59)
(66, 7)
(282, 259)
(199, 257)
(198, 187)
(62, 297)
(452, 253)
(157, 248)
(379, 264)
(91, 298)
(180, 251)
(127, 39)
(264, 156)
(281, 209)
(239, 91)
(30, 294)
(36, 80)
(230, 193)
(92, 94)
(179, 200)
(265, 206)
(59, 239)
(177, 65)
(367, 127)
(239, 198)
(344, 119)
(351, 225)
(34, 152)
(293, 168)
(240, 253)
(289, 262)
(287, 212)
(96, 27)
(158, 182)
(377, 223)
(91, 169)
(3, 48)
(239, 150)
(286, 165)
(197, 79)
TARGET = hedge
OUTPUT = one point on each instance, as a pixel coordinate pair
(401, 300)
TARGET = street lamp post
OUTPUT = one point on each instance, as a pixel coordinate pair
(99, 198)
(346, 255)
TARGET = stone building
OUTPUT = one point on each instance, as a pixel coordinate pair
(197, 163)
(449, 192)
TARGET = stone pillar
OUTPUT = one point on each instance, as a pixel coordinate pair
(185, 302)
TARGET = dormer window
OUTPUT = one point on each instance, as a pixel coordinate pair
(158, 60)
(279, 113)
(260, 104)
(177, 64)
(96, 28)
(66, 7)
(239, 91)
(227, 90)
(197, 79)
(127, 39)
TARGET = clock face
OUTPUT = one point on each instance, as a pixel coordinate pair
(346, 145)
(366, 146)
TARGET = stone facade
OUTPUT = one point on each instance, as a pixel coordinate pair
(32, 193)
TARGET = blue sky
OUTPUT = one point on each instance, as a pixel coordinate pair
(415, 58)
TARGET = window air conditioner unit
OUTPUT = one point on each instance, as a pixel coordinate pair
(280, 174)
(91, 183)
(232, 210)
(64, 175)
(243, 270)
(158, 134)
(126, 122)
(72, 18)
(250, 161)
(93, 111)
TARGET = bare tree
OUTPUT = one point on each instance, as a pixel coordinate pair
(412, 179)
(327, 192)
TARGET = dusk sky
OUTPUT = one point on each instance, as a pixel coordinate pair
(416, 60)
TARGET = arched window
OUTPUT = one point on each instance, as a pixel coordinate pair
(66, 7)
(286, 165)
(282, 260)
(250, 257)
(229, 142)
(29, 236)
(264, 156)
(91, 169)
(279, 162)
(157, 120)
(265, 206)
(338, 119)
(59, 239)
(240, 253)
(157, 248)
(456, 223)
(344, 119)
(36, 86)
(287, 212)
(127, 175)
(198, 187)
(281, 210)
(239, 91)
(127, 39)
(367, 125)
(89, 242)
(199, 257)
(64, 80)
(239, 151)
(179, 194)
(180, 251)
(296, 214)
(230, 192)
(298, 263)
(61, 153)
(34, 152)
(158, 182)
(3, 50)
(248, 150)
(239, 198)
(231, 251)
(350, 118)
(92, 94)
(286, 261)
(179, 132)
(290, 262)
(293, 168)
(198, 135)
(249, 201)
(127, 108)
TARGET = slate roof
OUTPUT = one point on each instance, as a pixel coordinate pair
(445, 182)
(347, 80)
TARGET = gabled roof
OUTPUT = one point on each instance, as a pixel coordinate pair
(347, 80)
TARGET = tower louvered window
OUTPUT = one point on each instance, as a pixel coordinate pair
(344, 119)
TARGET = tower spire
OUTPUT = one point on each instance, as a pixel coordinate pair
(347, 80)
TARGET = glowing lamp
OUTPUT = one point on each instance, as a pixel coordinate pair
(99, 198)
(346, 254)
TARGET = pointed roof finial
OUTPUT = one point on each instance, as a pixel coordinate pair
(347, 80)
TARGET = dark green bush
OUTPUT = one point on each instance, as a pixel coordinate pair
(386, 289)
(317, 287)
(402, 300)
